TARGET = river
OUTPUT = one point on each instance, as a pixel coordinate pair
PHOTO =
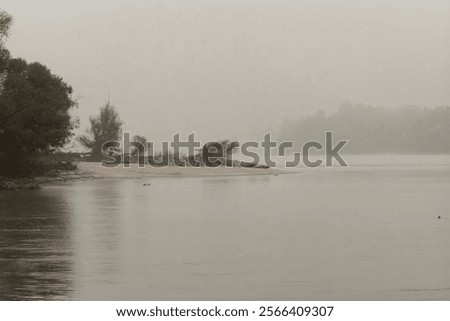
(370, 231)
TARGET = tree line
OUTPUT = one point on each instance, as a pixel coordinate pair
(369, 129)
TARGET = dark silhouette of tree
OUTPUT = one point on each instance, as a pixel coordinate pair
(35, 115)
(105, 127)
(35, 110)
(139, 143)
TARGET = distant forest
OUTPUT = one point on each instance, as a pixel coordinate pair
(376, 129)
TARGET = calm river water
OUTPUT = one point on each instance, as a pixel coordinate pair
(367, 232)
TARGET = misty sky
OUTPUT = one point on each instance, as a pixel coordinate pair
(236, 69)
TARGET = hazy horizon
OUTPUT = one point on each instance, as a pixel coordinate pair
(346, 200)
(236, 69)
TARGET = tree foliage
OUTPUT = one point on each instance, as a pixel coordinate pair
(105, 127)
(35, 115)
(35, 110)
(5, 24)
(140, 143)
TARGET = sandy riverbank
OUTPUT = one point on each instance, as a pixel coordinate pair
(88, 170)
(135, 171)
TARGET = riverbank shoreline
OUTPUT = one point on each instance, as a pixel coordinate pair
(93, 170)
(36, 182)
(134, 170)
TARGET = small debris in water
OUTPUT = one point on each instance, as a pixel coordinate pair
(147, 184)
(439, 217)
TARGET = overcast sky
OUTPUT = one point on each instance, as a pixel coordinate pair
(236, 69)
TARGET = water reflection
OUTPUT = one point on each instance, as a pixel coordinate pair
(101, 208)
(35, 246)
